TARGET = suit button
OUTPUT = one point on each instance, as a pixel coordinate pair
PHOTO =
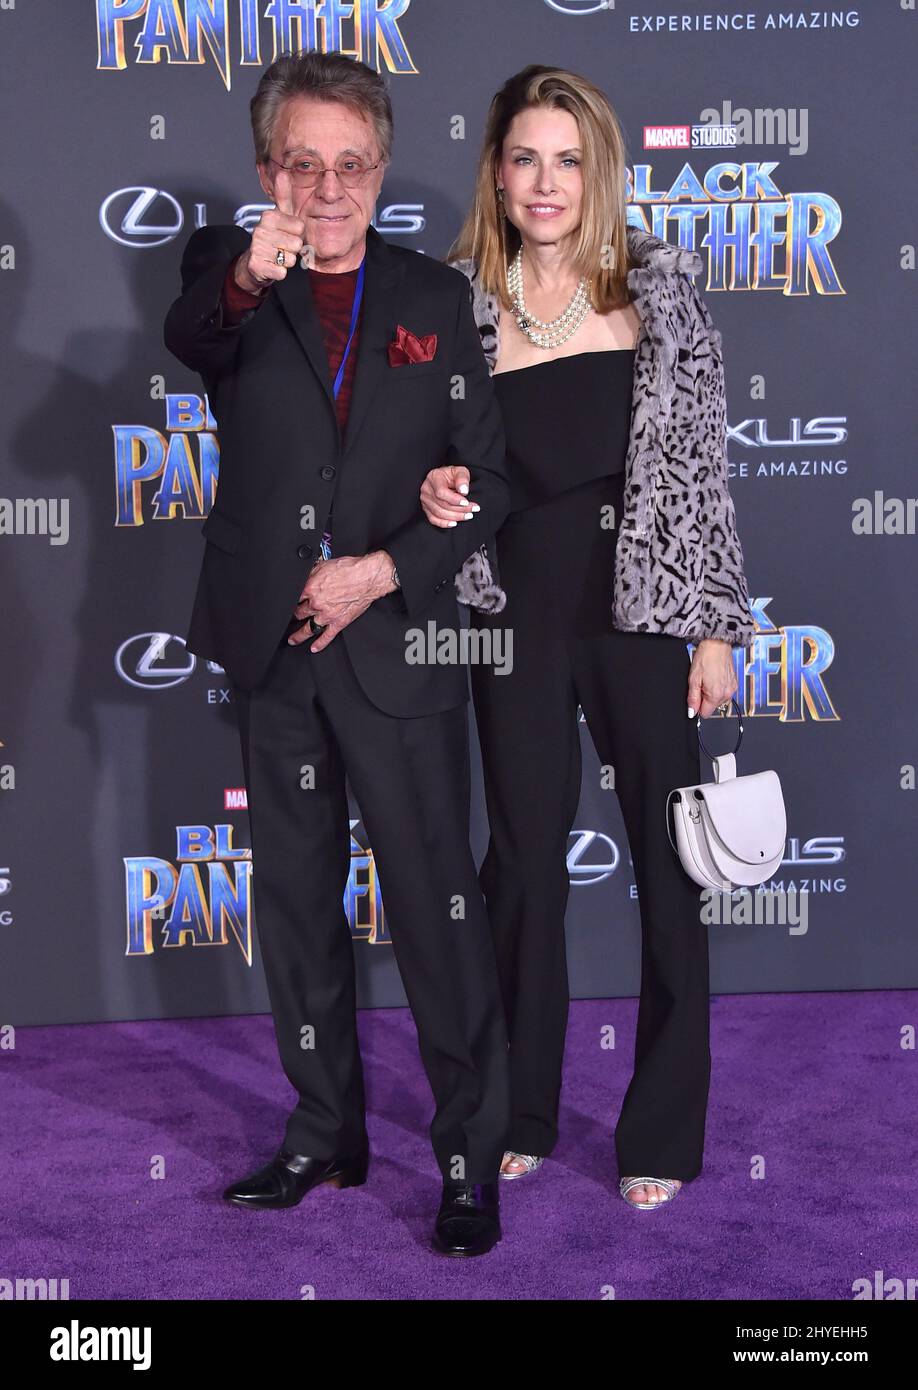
(441, 585)
(326, 472)
(304, 551)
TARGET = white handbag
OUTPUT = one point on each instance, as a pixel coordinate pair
(730, 833)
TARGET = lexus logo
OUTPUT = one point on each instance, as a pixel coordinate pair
(141, 660)
(142, 217)
(589, 861)
(125, 216)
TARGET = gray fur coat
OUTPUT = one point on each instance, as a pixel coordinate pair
(679, 563)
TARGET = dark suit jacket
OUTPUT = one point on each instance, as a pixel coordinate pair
(269, 387)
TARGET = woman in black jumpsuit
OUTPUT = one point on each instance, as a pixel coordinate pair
(548, 210)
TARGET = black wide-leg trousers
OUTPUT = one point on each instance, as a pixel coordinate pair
(556, 568)
(305, 727)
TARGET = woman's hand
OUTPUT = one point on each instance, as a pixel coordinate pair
(712, 677)
(442, 496)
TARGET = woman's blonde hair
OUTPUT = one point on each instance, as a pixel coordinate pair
(601, 250)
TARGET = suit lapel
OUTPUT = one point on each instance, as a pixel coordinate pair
(377, 327)
(295, 298)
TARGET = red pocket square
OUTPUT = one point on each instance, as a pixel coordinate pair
(408, 347)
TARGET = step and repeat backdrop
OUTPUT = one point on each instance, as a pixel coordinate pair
(776, 140)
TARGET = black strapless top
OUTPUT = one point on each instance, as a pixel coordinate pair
(567, 422)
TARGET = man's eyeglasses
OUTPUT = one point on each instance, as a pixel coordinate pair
(305, 173)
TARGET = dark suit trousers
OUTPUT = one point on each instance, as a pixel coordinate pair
(557, 571)
(410, 778)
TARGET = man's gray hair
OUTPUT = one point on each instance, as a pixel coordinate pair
(323, 77)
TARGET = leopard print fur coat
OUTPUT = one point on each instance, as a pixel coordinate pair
(679, 562)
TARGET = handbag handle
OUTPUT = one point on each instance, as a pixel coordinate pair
(706, 750)
(739, 737)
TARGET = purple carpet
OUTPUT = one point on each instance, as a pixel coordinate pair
(812, 1089)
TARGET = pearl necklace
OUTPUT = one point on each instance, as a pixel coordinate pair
(555, 331)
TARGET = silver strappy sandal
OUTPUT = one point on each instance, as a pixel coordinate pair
(530, 1161)
(667, 1185)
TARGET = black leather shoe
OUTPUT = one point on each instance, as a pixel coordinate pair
(468, 1222)
(288, 1177)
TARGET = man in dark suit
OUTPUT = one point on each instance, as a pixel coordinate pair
(337, 382)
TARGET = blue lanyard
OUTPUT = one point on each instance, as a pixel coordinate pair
(355, 311)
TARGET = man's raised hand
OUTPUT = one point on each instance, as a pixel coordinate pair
(280, 226)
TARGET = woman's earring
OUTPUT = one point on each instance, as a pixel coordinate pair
(500, 201)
